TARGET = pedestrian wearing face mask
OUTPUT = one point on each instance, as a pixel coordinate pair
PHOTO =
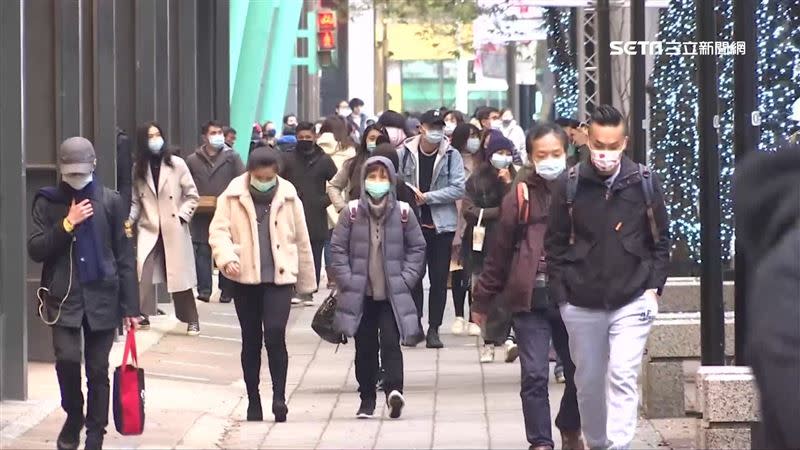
(89, 277)
(378, 251)
(309, 169)
(164, 201)
(436, 171)
(514, 276)
(514, 132)
(266, 268)
(346, 185)
(213, 165)
(486, 188)
(466, 139)
(269, 134)
(452, 119)
(608, 248)
(395, 125)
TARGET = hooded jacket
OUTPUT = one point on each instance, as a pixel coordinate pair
(310, 175)
(212, 177)
(613, 260)
(767, 209)
(404, 259)
(447, 183)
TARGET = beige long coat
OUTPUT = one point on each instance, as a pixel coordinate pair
(177, 199)
(233, 236)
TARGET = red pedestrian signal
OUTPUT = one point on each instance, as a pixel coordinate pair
(326, 41)
(326, 20)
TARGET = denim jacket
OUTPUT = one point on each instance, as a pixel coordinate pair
(447, 185)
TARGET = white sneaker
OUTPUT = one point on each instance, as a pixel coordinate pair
(487, 353)
(459, 326)
(308, 302)
(473, 329)
(296, 301)
(512, 351)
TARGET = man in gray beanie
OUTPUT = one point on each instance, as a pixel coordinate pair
(88, 284)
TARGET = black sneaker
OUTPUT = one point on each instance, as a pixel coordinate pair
(70, 436)
(193, 329)
(144, 323)
(225, 299)
(367, 409)
(205, 298)
(395, 402)
(432, 339)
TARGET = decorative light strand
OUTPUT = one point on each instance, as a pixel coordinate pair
(561, 60)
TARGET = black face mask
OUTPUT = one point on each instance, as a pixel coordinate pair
(272, 133)
(305, 147)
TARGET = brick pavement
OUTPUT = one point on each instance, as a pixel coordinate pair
(196, 399)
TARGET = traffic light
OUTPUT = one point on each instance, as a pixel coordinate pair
(326, 37)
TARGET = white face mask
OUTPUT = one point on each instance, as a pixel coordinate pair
(77, 181)
(473, 145)
(217, 141)
(345, 112)
(155, 145)
(497, 124)
(606, 161)
(551, 168)
(449, 127)
(501, 161)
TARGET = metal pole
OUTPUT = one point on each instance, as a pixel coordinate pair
(745, 139)
(712, 325)
(604, 52)
(638, 82)
(511, 77)
(526, 106)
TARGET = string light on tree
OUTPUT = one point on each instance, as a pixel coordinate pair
(561, 61)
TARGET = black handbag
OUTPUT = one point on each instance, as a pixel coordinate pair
(323, 325)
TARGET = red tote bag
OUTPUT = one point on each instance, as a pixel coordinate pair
(129, 391)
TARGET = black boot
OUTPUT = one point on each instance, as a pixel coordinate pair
(432, 340)
(69, 381)
(254, 411)
(94, 440)
(279, 409)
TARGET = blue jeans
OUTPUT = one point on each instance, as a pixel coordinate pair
(204, 267)
(534, 330)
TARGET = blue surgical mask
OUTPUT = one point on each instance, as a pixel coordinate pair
(371, 146)
(501, 161)
(434, 136)
(377, 189)
(473, 145)
(217, 141)
(263, 186)
(551, 168)
(156, 144)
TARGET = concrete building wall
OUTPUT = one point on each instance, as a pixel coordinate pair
(86, 67)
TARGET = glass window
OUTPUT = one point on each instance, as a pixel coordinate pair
(428, 84)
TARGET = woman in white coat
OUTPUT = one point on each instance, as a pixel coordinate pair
(163, 202)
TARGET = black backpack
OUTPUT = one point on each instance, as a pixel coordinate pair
(573, 178)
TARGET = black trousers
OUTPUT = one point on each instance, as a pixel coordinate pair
(67, 349)
(263, 312)
(316, 248)
(437, 258)
(459, 282)
(378, 330)
(534, 330)
(204, 268)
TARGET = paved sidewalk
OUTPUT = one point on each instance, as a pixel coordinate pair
(196, 399)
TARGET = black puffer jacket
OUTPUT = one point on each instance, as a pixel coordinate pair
(767, 209)
(614, 259)
(103, 302)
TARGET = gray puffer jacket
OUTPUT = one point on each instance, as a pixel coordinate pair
(403, 254)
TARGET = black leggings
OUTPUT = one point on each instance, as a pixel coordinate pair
(263, 312)
(460, 286)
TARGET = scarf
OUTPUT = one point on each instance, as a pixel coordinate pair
(88, 238)
(262, 201)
